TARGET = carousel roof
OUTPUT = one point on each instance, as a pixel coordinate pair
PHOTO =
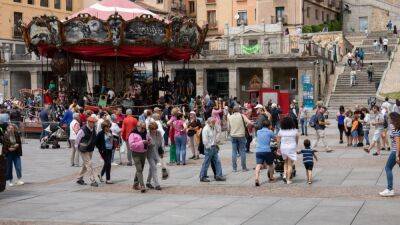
(114, 29)
(125, 8)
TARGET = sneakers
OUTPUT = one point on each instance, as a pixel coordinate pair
(100, 178)
(94, 184)
(205, 180)
(81, 182)
(375, 154)
(114, 164)
(257, 183)
(10, 183)
(289, 182)
(149, 186)
(387, 193)
(220, 178)
(19, 182)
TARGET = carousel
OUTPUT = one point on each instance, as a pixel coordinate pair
(115, 36)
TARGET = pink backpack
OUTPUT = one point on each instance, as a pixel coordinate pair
(136, 143)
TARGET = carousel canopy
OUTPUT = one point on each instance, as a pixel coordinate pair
(114, 29)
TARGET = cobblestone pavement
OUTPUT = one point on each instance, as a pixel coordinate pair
(345, 191)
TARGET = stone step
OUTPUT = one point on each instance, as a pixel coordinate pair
(370, 41)
(376, 56)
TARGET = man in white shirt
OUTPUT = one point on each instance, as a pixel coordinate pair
(377, 121)
(385, 44)
(110, 96)
(209, 137)
(387, 105)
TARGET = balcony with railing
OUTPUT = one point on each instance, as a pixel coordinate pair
(279, 19)
(211, 2)
(178, 7)
(17, 57)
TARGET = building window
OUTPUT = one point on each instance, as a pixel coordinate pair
(308, 12)
(192, 7)
(68, 5)
(323, 16)
(159, 1)
(242, 18)
(316, 14)
(253, 42)
(255, 14)
(328, 17)
(211, 18)
(17, 33)
(31, 2)
(293, 84)
(17, 1)
(279, 15)
(44, 3)
(57, 4)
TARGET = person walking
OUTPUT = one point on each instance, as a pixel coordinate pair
(153, 156)
(366, 124)
(74, 128)
(275, 113)
(85, 143)
(139, 142)
(12, 148)
(209, 138)
(385, 44)
(377, 121)
(370, 71)
(320, 125)
(353, 74)
(308, 159)
(44, 120)
(340, 119)
(349, 59)
(193, 126)
(394, 156)
(180, 137)
(116, 132)
(128, 125)
(288, 138)
(237, 126)
(303, 114)
(376, 46)
(105, 143)
(264, 155)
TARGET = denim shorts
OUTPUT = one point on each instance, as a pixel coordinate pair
(354, 133)
(265, 157)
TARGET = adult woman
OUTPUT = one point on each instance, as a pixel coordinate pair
(348, 122)
(74, 128)
(366, 122)
(288, 138)
(12, 148)
(180, 138)
(193, 126)
(171, 133)
(105, 143)
(263, 151)
(303, 114)
(116, 131)
(153, 155)
(340, 116)
(394, 156)
(138, 144)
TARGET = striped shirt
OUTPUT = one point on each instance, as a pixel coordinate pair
(393, 135)
(308, 155)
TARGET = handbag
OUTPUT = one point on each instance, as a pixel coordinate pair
(246, 131)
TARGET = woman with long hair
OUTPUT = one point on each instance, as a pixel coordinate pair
(180, 137)
(288, 138)
(12, 148)
(193, 125)
(105, 143)
(394, 157)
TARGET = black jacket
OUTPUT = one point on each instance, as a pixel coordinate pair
(100, 142)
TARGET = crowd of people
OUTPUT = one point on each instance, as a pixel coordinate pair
(203, 126)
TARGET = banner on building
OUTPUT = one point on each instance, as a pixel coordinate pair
(308, 91)
(252, 49)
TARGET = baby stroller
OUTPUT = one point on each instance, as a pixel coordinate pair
(278, 160)
(53, 133)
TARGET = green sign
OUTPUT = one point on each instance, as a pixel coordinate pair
(251, 49)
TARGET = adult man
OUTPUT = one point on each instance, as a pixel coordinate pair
(44, 119)
(209, 137)
(275, 113)
(128, 125)
(237, 125)
(119, 117)
(377, 120)
(85, 144)
(263, 115)
(110, 96)
(385, 44)
(386, 105)
(353, 74)
(67, 119)
(370, 71)
(320, 125)
(396, 107)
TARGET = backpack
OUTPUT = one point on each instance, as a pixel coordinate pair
(313, 121)
(385, 122)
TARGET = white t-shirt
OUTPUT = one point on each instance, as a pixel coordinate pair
(385, 41)
(74, 129)
(388, 106)
(348, 122)
(111, 94)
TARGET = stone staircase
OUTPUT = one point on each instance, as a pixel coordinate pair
(359, 94)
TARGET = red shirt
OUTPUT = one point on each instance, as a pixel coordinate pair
(128, 125)
(48, 100)
(83, 118)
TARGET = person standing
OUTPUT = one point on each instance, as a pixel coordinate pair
(209, 137)
(377, 121)
(74, 128)
(340, 118)
(394, 156)
(320, 125)
(264, 155)
(12, 148)
(353, 74)
(303, 114)
(105, 143)
(128, 125)
(180, 137)
(366, 124)
(348, 122)
(44, 119)
(376, 46)
(288, 138)
(85, 143)
(67, 119)
(138, 143)
(370, 71)
(385, 44)
(237, 126)
(396, 107)
(153, 156)
(349, 58)
(193, 126)
(387, 106)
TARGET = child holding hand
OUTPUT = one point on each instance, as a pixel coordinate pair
(308, 159)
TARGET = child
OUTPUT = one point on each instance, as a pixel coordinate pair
(347, 127)
(354, 130)
(308, 159)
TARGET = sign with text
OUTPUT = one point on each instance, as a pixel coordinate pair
(308, 91)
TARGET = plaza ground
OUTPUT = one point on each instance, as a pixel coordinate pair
(345, 191)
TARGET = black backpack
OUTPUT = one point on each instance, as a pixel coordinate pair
(201, 144)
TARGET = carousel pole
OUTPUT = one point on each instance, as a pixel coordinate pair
(154, 86)
(42, 80)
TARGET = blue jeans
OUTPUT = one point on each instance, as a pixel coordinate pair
(239, 144)
(391, 162)
(44, 126)
(180, 142)
(211, 155)
(13, 158)
(303, 124)
(366, 137)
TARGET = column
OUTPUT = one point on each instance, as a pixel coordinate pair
(201, 82)
(234, 83)
(300, 72)
(267, 78)
(34, 79)
(90, 77)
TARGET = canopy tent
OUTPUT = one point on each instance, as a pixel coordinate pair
(127, 9)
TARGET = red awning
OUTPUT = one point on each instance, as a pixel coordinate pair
(104, 9)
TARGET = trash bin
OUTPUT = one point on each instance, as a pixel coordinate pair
(2, 173)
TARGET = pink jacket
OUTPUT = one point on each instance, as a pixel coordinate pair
(136, 143)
